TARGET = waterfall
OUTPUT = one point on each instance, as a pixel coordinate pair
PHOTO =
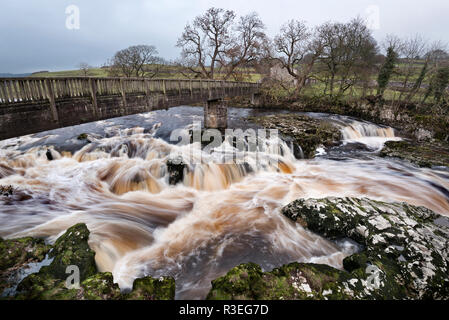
(220, 214)
(369, 134)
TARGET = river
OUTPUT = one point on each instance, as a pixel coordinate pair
(219, 216)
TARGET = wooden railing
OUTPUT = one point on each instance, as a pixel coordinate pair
(23, 90)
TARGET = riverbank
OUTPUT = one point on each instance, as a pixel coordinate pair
(411, 121)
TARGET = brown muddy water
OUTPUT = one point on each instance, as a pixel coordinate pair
(219, 216)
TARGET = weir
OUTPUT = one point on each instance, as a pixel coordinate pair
(30, 105)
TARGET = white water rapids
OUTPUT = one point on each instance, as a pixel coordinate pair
(219, 216)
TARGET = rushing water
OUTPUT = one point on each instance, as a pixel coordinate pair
(219, 216)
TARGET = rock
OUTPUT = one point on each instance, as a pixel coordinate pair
(422, 154)
(409, 250)
(72, 248)
(295, 281)
(16, 254)
(175, 171)
(149, 288)
(307, 132)
(6, 191)
(49, 155)
(100, 286)
(83, 136)
(20, 251)
(405, 256)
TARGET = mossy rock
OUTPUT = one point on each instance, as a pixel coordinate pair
(42, 286)
(295, 281)
(149, 288)
(405, 256)
(400, 240)
(423, 154)
(100, 286)
(72, 248)
(16, 254)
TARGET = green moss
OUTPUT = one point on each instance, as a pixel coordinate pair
(72, 248)
(149, 288)
(16, 252)
(292, 281)
(83, 136)
(100, 286)
(426, 154)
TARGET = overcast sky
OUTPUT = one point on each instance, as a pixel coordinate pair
(34, 36)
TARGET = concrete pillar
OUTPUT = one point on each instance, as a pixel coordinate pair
(215, 114)
(256, 99)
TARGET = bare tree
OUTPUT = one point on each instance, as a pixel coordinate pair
(297, 50)
(245, 46)
(394, 42)
(84, 68)
(431, 63)
(214, 43)
(133, 61)
(204, 40)
(412, 49)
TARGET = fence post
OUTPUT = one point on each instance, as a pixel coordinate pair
(93, 92)
(51, 99)
(147, 93)
(122, 90)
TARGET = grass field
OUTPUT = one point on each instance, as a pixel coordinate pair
(171, 72)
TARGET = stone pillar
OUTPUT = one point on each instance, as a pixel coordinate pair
(256, 99)
(215, 114)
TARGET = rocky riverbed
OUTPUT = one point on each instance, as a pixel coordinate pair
(404, 256)
(403, 249)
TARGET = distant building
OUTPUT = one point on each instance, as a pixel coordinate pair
(279, 73)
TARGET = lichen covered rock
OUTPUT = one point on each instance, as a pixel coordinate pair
(405, 256)
(402, 243)
(289, 282)
(149, 288)
(423, 154)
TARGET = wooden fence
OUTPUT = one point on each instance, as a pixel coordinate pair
(20, 90)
